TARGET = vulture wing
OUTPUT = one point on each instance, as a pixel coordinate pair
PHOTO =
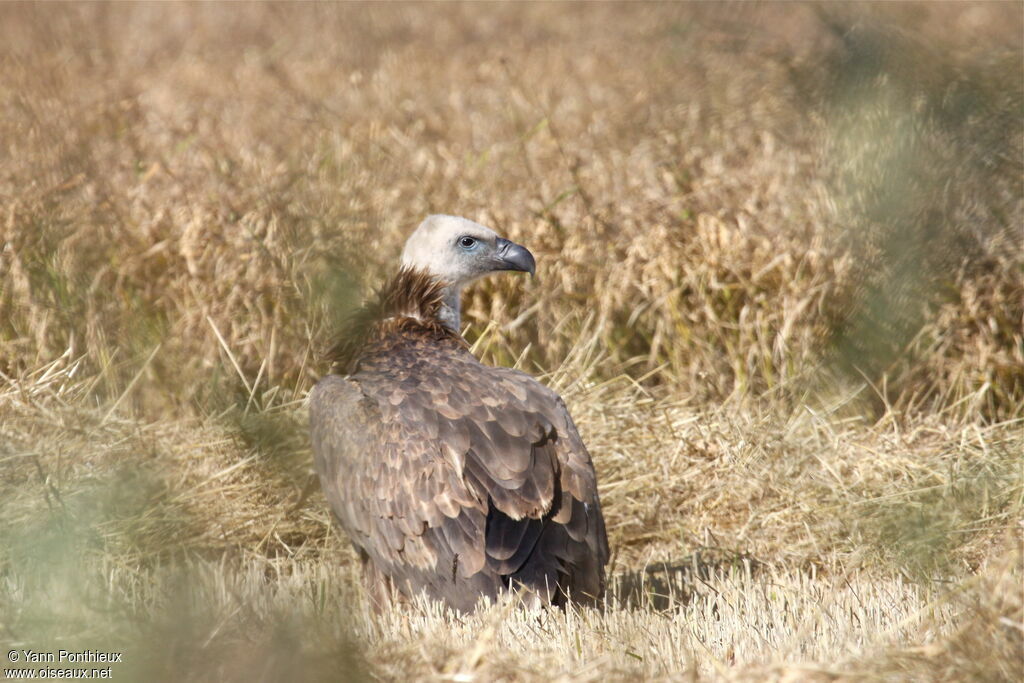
(459, 479)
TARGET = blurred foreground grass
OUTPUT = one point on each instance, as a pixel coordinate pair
(780, 287)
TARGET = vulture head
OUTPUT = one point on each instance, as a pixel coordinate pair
(458, 251)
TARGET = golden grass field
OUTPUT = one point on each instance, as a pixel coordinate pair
(780, 261)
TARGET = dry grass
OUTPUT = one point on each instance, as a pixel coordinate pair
(780, 287)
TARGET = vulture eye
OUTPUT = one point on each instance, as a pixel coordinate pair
(467, 242)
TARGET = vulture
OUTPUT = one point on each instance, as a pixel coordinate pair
(452, 478)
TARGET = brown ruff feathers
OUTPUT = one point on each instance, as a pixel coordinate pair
(410, 303)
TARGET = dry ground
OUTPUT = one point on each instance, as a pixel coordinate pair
(780, 258)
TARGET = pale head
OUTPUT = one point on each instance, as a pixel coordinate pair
(459, 251)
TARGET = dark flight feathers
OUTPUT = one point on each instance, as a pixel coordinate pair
(451, 477)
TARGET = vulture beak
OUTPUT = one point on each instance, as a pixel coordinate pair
(512, 256)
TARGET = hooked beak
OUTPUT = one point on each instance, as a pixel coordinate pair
(512, 256)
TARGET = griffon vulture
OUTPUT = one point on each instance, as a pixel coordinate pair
(453, 478)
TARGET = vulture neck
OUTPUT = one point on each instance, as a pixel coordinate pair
(450, 313)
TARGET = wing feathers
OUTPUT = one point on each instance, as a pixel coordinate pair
(510, 542)
(465, 540)
(457, 478)
(455, 436)
(505, 535)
